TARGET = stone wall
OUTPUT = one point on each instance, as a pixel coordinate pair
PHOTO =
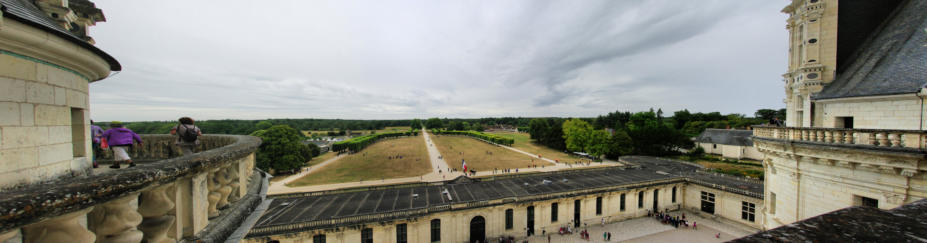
(44, 121)
(728, 205)
(900, 112)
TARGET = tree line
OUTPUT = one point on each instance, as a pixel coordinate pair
(359, 143)
(484, 136)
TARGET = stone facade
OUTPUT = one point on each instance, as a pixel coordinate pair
(44, 104)
(855, 133)
(732, 151)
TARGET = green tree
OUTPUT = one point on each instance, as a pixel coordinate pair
(765, 114)
(281, 149)
(416, 123)
(597, 143)
(619, 144)
(434, 123)
(263, 125)
(576, 132)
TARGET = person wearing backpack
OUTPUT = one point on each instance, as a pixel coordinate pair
(187, 135)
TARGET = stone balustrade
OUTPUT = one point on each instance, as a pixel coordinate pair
(878, 138)
(199, 197)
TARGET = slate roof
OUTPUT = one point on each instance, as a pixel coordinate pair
(26, 12)
(726, 136)
(892, 61)
(854, 224)
(293, 210)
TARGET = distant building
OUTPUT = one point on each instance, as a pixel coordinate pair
(729, 143)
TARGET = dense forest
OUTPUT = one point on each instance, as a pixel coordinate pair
(691, 124)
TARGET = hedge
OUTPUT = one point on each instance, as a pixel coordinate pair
(359, 143)
(484, 136)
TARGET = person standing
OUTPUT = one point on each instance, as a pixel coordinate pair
(97, 133)
(187, 135)
(120, 139)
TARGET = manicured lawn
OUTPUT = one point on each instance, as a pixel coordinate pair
(523, 142)
(374, 163)
(749, 168)
(479, 155)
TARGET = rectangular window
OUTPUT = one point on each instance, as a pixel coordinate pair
(367, 235)
(554, 211)
(402, 233)
(435, 230)
(509, 219)
(708, 202)
(747, 211)
(674, 194)
(318, 239)
(621, 206)
(866, 202)
(598, 206)
(640, 199)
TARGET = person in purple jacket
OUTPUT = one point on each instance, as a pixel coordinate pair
(97, 133)
(120, 139)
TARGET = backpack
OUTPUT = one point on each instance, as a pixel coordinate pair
(189, 134)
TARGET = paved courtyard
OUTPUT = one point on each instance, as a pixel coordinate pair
(649, 230)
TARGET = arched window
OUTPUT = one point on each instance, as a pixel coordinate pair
(435, 230)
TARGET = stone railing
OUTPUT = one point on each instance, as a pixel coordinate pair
(173, 198)
(876, 138)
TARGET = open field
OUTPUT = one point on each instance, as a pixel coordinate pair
(479, 155)
(321, 158)
(523, 142)
(374, 163)
(362, 132)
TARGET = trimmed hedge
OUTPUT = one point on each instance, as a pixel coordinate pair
(484, 136)
(359, 143)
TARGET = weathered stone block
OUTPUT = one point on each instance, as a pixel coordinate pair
(60, 96)
(9, 114)
(76, 99)
(48, 115)
(40, 93)
(17, 68)
(61, 78)
(27, 114)
(52, 154)
(17, 159)
(59, 134)
(12, 90)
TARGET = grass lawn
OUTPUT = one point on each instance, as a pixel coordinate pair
(523, 142)
(373, 163)
(477, 154)
(749, 168)
(321, 158)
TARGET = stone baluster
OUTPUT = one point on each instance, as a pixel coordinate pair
(819, 134)
(882, 138)
(155, 207)
(828, 136)
(838, 136)
(213, 197)
(872, 139)
(234, 183)
(65, 228)
(222, 179)
(895, 139)
(116, 221)
(804, 135)
(812, 136)
(850, 137)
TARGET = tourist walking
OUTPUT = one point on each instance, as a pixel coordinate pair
(187, 135)
(97, 133)
(609, 237)
(120, 139)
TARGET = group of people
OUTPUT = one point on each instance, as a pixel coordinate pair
(675, 221)
(120, 139)
(497, 170)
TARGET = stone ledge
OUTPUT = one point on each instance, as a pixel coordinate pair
(32, 203)
(221, 227)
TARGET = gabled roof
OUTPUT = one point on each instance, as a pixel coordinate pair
(726, 137)
(891, 61)
(26, 12)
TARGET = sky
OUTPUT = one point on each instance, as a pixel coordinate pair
(240, 59)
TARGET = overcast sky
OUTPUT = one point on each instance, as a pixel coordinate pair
(417, 59)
